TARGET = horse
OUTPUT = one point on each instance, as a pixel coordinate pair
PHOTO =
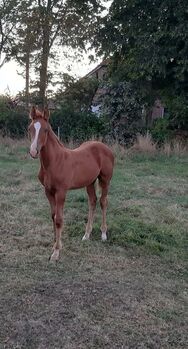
(63, 169)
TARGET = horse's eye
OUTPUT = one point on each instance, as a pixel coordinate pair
(45, 130)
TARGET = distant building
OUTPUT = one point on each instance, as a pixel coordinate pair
(157, 110)
(100, 73)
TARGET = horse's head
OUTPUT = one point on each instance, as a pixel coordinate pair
(38, 130)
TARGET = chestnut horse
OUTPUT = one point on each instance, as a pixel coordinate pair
(63, 169)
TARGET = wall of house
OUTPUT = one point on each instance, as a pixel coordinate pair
(100, 73)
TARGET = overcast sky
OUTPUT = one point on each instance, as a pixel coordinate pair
(11, 82)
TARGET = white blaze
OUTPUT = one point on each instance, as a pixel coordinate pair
(33, 148)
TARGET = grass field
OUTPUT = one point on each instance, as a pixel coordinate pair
(129, 292)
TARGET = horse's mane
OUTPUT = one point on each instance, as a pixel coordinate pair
(55, 136)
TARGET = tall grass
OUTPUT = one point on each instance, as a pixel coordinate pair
(12, 146)
(145, 145)
(174, 148)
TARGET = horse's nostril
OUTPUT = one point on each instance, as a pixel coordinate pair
(37, 150)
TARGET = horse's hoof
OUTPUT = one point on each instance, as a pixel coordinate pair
(104, 237)
(85, 237)
(55, 256)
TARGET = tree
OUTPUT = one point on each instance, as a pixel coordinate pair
(77, 93)
(8, 14)
(62, 24)
(148, 40)
(43, 27)
(26, 43)
(68, 24)
(122, 112)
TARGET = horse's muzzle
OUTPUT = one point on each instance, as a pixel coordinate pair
(34, 155)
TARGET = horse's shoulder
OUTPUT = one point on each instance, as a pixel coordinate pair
(41, 175)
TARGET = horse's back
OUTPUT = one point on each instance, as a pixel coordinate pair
(98, 149)
(102, 154)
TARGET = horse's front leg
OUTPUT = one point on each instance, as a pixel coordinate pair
(51, 199)
(58, 223)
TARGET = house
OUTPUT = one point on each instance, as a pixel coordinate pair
(100, 73)
(157, 110)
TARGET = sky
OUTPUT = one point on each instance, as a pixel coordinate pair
(11, 82)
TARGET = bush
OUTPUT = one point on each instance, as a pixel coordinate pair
(122, 112)
(77, 126)
(13, 122)
(177, 109)
(160, 130)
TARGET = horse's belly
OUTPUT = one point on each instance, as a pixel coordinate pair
(84, 177)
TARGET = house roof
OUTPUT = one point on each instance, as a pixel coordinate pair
(104, 63)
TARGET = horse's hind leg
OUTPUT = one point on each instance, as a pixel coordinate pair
(92, 199)
(103, 203)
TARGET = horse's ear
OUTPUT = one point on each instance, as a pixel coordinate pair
(46, 114)
(32, 114)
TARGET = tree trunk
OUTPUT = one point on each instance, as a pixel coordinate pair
(27, 80)
(45, 54)
(43, 74)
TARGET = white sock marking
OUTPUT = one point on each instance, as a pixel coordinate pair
(104, 237)
(85, 237)
(55, 255)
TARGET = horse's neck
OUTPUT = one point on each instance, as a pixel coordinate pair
(50, 151)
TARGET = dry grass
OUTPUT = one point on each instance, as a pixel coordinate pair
(119, 151)
(144, 144)
(174, 148)
(11, 146)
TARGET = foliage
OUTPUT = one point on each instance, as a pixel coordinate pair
(13, 121)
(74, 125)
(4, 106)
(160, 130)
(44, 27)
(177, 110)
(8, 16)
(78, 94)
(15, 124)
(149, 44)
(149, 36)
(122, 112)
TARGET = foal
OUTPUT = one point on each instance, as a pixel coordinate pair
(63, 169)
